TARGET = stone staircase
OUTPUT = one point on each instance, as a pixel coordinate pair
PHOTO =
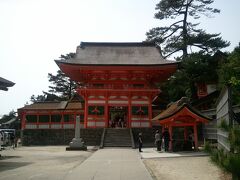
(118, 138)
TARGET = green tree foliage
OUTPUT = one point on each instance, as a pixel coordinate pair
(46, 97)
(196, 68)
(229, 74)
(38, 98)
(9, 116)
(61, 88)
(67, 56)
(182, 34)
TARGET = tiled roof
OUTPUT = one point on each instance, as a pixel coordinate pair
(117, 54)
(63, 105)
(177, 107)
(174, 107)
(74, 105)
(10, 121)
(7, 82)
(4, 83)
(46, 106)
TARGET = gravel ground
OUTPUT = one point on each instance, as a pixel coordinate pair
(185, 168)
(39, 162)
(54, 163)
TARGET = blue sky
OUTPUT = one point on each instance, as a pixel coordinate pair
(35, 32)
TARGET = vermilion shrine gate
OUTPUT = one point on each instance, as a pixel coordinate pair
(117, 81)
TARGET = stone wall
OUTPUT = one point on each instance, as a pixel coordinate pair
(91, 137)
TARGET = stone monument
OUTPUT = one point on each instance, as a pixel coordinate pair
(77, 143)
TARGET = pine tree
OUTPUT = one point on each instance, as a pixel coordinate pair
(12, 114)
(61, 88)
(183, 35)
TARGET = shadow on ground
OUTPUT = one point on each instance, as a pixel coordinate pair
(8, 157)
(4, 166)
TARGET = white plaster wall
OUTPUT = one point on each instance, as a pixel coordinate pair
(31, 126)
(68, 126)
(43, 126)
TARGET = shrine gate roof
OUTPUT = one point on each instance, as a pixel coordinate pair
(102, 53)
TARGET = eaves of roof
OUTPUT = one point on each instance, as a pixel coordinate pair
(178, 109)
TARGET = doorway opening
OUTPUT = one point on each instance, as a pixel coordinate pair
(118, 116)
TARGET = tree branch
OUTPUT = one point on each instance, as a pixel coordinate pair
(170, 34)
(180, 9)
(174, 24)
(172, 53)
(201, 47)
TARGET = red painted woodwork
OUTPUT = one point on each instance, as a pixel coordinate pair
(117, 80)
(49, 113)
(113, 74)
(202, 90)
(183, 118)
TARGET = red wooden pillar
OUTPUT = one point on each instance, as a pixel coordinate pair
(50, 120)
(163, 128)
(150, 110)
(185, 134)
(195, 136)
(106, 111)
(129, 112)
(24, 120)
(86, 111)
(37, 120)
(62, 120)
(170, 140)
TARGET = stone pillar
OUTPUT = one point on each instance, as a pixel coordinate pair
(77, 128)
(77, 143)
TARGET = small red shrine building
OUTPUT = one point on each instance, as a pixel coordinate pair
(118, 81)
(181, 114)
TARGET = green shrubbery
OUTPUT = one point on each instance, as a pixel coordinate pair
(229, 161)
(234, 139)
(234, 165)
(223, 125)
(207, 147)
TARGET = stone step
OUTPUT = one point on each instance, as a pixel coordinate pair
(117, 138)
(118, 145)
(119, 142)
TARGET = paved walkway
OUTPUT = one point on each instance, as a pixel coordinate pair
(112, 164)
(152, 153)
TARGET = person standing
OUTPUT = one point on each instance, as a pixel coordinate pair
(158, 140)
(121, 122)
(166, 137)
(140, 142)
(191, 139)
(1, 140)
(12, 137)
